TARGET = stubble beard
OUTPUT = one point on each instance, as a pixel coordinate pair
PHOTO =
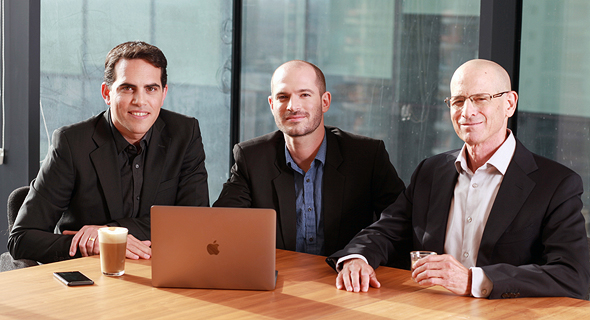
(299, 129)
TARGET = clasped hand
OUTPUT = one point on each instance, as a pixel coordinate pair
(86, 239)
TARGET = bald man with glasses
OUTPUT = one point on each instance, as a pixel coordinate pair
(505, 222)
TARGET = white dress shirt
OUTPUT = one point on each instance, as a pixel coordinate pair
(472, 202)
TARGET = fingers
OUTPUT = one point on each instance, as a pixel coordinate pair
(339, 281)
(443, 270)
(137, 249)
(86, 240)
(74, 243)
(373, 282)
(356, 276)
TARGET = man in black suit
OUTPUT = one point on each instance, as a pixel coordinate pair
(110, 169)
(505, 222)
(325, 184)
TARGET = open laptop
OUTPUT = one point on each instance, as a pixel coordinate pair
(216, 248)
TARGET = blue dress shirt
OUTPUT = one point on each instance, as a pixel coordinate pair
(308, 202)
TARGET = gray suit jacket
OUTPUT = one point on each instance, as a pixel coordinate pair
(534, 242)
(359, 182)
(79, 184)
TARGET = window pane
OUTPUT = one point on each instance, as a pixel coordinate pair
(194, 35)
(554, 117)
(387, 64)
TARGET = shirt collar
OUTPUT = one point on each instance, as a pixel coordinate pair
(500, 159)
(320, 156)
(120, 142)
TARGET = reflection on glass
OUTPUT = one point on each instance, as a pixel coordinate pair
(554, 117)
(194, 35)
(387, 64)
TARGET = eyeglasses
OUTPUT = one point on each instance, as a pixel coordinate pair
(479, 100)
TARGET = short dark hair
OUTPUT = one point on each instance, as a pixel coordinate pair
(134, 50)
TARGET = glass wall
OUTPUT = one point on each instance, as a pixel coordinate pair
(387, 63)
(554, 112)
(195, 36)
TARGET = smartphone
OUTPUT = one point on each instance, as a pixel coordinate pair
(73, 278)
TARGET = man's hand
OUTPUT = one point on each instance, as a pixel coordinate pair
(138, 249)
(443, 270)
(356, 275)
(86, 239)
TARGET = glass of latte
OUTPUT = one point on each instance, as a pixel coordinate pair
(113, 245)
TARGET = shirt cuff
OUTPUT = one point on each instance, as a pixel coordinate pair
(481, 285)
(348, 257)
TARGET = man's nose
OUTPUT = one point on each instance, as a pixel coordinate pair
(139, 98)
(469, 108)
(293, 104)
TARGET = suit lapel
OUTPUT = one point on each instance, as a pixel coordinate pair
(284, 187)
(332, 193)
(443, 186)
(104, 159)
(514, 191)
(154, 164)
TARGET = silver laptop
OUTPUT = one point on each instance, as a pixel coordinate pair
(216, 248)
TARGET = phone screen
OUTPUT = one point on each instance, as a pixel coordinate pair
(73, 278)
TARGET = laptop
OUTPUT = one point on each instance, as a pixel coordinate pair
(213, 248)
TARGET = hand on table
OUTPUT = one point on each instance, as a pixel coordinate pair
(356, 275)
(86, 239)
(137, 249)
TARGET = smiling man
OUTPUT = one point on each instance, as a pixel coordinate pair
(505, 222)
(324, 183)
(110, 169)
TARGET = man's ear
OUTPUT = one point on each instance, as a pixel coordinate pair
(270, 102)
(164, 93)
(326, 100)
(512, 99)
(106, 93)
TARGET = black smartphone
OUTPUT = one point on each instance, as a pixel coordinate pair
(73, 278)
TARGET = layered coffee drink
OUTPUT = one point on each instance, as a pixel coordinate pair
(113, 245)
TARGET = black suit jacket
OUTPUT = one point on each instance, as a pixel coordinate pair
(79, 184)
(534, 242)
(359, 182)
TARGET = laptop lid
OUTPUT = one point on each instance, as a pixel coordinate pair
(216, 248)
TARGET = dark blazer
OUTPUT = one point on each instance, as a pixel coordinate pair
(79, 184)
(534, 242)
(359, 182)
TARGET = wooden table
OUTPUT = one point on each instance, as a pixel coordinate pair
(305, 289)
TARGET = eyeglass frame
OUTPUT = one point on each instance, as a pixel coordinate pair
(492, 96)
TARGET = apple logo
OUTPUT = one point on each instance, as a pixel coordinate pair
(212, 248)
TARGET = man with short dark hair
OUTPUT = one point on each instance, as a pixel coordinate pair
(505, 222)
(324, 183)
(110, 169)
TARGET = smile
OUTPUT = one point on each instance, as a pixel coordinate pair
(139, 114)
(470, 124)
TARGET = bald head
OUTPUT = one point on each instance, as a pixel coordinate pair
(482, 122)
(482, 76)
(284, 69)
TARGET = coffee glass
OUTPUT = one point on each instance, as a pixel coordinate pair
(417, 255)
(113, 246)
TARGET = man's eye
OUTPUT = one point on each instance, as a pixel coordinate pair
(457, 102)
